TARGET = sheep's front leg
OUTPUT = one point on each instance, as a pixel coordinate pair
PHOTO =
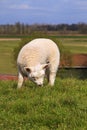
(20, 80)
(52, 76)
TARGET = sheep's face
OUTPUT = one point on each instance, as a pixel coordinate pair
(37, 73)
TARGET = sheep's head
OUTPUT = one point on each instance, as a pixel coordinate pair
(36, 73)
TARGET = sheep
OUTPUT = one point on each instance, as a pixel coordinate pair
(36, 59)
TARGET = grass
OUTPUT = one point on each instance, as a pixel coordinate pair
(62, 107)
(75, 45)
(6, 56)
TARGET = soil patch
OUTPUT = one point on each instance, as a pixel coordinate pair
(79, 60)
(7, 77)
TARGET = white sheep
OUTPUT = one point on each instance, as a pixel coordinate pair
(37, 58)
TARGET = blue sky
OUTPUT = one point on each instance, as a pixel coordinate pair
(43, 11)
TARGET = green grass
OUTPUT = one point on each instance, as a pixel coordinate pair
(75, 45)
(41, 33)
(62, 107)
(6, 56)
(76, 49)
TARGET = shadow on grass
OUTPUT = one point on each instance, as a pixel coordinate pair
(79, 73)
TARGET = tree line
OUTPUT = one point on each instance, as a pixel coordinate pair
(25, 29)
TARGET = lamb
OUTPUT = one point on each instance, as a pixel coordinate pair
(36, 59)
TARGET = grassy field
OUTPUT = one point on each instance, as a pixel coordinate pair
(62, 107)
(6, 56)
(73, 44)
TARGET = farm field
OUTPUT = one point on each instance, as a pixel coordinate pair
(6, 55)
(72, 44)
(75, 45)
(62, 107)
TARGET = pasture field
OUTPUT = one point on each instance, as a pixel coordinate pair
(6, 55)
(73, 44)
(62, 107)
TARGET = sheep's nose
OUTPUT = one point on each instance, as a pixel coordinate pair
(40, 85)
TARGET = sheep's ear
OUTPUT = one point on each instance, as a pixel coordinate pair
(45, 66)
(27, 69)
